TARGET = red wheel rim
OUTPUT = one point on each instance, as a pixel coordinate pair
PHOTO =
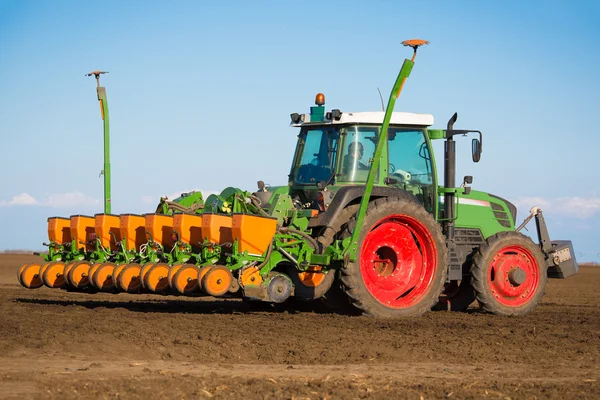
(398, 260)
(505, 265)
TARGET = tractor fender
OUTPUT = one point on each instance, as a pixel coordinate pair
(351, 195)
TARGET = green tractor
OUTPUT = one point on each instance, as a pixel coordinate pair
(364, 222)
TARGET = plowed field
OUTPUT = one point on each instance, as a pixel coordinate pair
(58, 344)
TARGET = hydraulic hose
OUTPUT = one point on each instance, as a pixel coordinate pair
(309, 238)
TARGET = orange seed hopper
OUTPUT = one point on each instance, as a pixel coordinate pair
(160, 227)
(59, 229)
(254, 233)
(189, 228)
(216, 228)
(105, 225)
(83, 229)
(133, 230)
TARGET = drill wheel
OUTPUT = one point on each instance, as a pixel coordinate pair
(156, 279)
(186, 279)
(217, 281)
(68, 267)
(103, 277)
(118, 269)
(54, 275)
(128, 279)
(144, 271)
(20, 271)
(78, 275)
(30, 276)
(172, 271)
(92, 272)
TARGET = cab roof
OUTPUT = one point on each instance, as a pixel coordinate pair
(375, 117)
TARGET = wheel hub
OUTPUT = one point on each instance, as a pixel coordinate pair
(517, 276)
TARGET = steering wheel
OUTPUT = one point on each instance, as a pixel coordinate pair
(392, 168)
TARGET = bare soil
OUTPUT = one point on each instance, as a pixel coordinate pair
(59, 344)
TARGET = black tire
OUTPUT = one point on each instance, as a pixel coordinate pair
(499, 287)
(417, 285)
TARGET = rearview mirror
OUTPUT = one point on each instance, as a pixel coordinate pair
(476, 150)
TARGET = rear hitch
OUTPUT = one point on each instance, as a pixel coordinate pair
(559, 254)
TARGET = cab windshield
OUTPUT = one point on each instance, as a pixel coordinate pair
(316, 155)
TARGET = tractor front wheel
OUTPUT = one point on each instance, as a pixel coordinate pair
(509, 274)
(401, 260)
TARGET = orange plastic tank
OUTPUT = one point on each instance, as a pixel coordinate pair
(105, 225)
(216, 228)
(160, 227)
(133, 230)
(82, 231)
(59, 229)
(189, 228)
(253, 233)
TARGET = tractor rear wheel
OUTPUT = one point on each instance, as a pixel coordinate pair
(401, 260)
(509, 274)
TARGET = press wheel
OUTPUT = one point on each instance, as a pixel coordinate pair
(172, 271)
(54, 275)
(20, 271)
(78, 275)
(30, 276)
(103, 277)
(186, 279)
(156, 279)
(68, 267)
(217, 281)
(144, 271)
(128, 279)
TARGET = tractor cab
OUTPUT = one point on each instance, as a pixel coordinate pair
(335, 149)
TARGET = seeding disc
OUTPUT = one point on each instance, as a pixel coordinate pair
(78, 275)
(68, 269)
(54, 275)
(172, 271)
(30, 276)
(186, 279)
(19, 272)
(217, 280)
(129, 278)
(156, 279)
(103, 277)
(144, 271)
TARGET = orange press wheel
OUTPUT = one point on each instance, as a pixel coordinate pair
(43, 269)
(92, 272)
(103, 277)
(144, 271)
(156, 279)
(250, 277)
(30, 276)
(186, 279)
(172, 271)
(68, 268)
(20, 271)
(54, 275)
(128, 279)
(201, 272)
(118, 269)
(217, 281)
(78, 275)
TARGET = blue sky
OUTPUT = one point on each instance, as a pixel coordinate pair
(200, 95)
